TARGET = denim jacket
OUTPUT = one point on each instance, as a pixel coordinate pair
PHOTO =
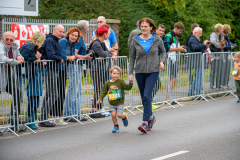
(66, 50)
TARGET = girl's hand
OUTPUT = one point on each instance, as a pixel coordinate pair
(99, 102)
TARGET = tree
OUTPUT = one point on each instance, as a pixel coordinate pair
(206, 13)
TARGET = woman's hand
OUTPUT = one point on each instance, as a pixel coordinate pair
(71, 58)
(130, 78)
(161, 65)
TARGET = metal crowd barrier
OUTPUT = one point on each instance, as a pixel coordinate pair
(48, 91)
(217, 78)
(6, 100)
(191, 72)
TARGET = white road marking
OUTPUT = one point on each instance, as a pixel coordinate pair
(170, 155)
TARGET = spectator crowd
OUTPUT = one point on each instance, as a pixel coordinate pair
(54, 56)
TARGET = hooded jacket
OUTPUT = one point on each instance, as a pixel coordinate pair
(146, 62)
(28, 51)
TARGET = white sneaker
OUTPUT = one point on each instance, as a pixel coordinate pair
(107, 113)
(59, 122)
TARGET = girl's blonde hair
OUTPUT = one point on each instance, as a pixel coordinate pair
(237, 54)
(115, 67)
(38, 38)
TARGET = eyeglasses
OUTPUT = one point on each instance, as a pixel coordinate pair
(8, 39)
(99, 21)
(144, 26)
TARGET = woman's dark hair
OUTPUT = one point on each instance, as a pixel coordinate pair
(149, 21)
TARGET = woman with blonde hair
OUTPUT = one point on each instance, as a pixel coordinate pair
(29, 51)
(226, 32)
(33, 74)
(228, 48)
(37, 39)
(215, 37)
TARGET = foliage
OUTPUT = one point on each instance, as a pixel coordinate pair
(206, 13)
(169, 5)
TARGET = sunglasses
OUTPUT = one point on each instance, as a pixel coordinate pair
(8, 39)
(99, 21)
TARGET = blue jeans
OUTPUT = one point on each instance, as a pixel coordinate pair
(146, 83)
(33, 104)
(196, 83)
(73, 97)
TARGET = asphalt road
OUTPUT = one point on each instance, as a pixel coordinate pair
(203, 131)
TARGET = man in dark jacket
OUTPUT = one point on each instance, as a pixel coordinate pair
(194, 25)
(51, 51)
(194, 45)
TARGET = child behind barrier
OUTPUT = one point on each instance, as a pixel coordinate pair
(236, 74)
(115, 90)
